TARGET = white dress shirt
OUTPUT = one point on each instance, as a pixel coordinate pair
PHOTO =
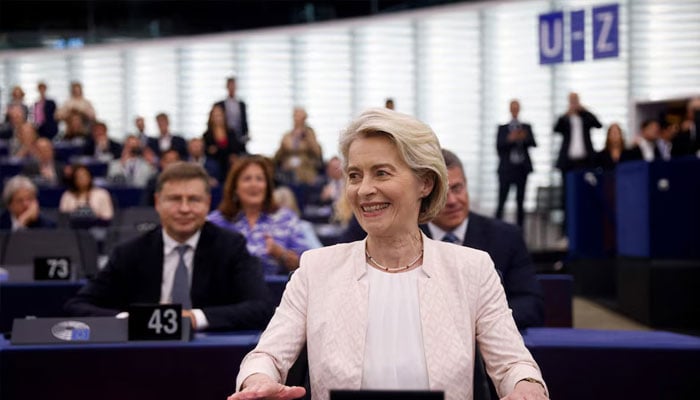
(577, 149)
(171, 258)
(460, 231)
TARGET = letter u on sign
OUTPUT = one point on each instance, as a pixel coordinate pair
(551, 34)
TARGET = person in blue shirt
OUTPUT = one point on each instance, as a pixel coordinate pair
(273, 233)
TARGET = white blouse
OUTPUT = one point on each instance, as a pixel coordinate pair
(394, 352)
(98, 199)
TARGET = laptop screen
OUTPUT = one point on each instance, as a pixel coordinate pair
(386, 395)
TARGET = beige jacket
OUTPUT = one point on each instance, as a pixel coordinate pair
(461, 301)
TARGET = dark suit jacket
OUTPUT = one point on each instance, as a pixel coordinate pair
(505, 166)
(41, 222)
(49, 128)
(227, 282)
(563, 126)
(505, 245)
(244, 118)
(176, 142)
(212, 167)
(221, 154)
(114, 148)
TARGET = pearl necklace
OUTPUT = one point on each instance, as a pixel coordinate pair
(397, 269)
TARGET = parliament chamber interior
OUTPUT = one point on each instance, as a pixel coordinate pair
(588, 110)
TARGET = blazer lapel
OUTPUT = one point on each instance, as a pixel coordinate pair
(201, 272)
(153, 264)
(358, 312)
(440, 333)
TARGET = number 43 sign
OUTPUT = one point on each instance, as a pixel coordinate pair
(605, 34)
(155, 322)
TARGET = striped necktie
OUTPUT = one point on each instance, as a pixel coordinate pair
(450, 238)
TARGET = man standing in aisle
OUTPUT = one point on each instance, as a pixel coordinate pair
(514, 139)
(236, 116)
(576, 150)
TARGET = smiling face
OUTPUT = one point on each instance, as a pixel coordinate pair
(384, 193)
(182, 206)
(456, 209)
(251, 187)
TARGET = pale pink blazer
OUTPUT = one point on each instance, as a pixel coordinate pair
(461, 301)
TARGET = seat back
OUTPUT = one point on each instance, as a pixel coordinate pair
(23, 246)
(139, 218)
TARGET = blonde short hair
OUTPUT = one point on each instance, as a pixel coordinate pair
(418, 147)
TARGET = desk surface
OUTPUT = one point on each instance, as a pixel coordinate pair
(576, 364)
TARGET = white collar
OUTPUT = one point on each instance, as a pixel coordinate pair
(460, 231)
(169, 244)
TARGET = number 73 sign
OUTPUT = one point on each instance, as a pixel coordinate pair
(605, 34)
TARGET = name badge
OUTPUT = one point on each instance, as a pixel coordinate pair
(52, 268)
(155, 322)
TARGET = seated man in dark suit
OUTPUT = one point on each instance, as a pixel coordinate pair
(100, 146)
(19, 197)
(187, 261)
(166, 140)
(503, 242)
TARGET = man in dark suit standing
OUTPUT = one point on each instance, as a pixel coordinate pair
(576, 150)
(503, 242)
(43, 112)
(514, 165)
(236, 115)
(187, 261)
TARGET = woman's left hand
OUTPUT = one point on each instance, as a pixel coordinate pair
(525, 390)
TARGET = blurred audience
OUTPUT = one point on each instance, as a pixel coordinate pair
(648, 144)
(17, 99)
(44, 111)
(220, 140)
(43, 168)
(685, 140)
(195, 151)
(77, 103)
(23, 145)
(148, 154)
(236, 117)
(334, 187)
(131, 168)
(167, 140)
(389, 103)
(14, 119)
(273, 233)
(100, 145)
(85, 202)
(284, 197)
(75, 128)
(168, 158)
(299, 156)
(608, 158)
(22, 207)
